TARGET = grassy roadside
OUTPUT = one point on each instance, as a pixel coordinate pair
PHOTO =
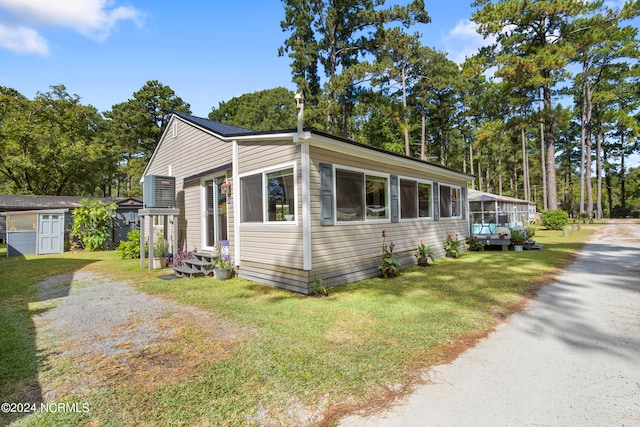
(307, 359)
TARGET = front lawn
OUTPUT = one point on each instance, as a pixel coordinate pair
(307, 360)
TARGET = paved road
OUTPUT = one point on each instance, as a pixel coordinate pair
(571, 359)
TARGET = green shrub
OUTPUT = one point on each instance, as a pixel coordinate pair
(130, 248)
(390, 266)
(473, 244)
(92, 222)
(554, 220)
(531, 231)
(452, 246)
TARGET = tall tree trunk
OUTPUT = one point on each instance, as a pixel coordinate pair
(543, 162)
(129, 178)
(583, 153)
(345, 121)
(623, 195)
(442, 145)
(586, 142)
(589, 185)
(423, 135)
(599, 213)
(487, 181)
(407, 148)
(500, 175)
(526, 184)
(473, 183)
(552, 194)
(513, 179)
(331, 93)
(607, 180)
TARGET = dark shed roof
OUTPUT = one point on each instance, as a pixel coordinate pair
(17, 202)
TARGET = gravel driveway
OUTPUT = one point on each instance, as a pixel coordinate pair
(112, 332)
(571, 359)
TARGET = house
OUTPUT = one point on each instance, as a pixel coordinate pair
(41, 224)
(296, 205)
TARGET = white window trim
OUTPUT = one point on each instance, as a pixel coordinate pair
(446, 218)
(203, 210)
(265, 201)
(366, 172)
(419, 181)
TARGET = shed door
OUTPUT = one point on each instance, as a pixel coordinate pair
(50, 233)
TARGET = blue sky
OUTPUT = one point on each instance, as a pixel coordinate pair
(207, 52)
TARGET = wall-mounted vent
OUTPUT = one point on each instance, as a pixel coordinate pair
(159, 191)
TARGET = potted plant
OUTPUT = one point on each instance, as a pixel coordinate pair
(160, 253)
(423, 254)
(503, 232)
(223, 269)
(518, 237)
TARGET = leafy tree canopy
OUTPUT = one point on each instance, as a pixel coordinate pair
(270, 109)
(48, 145)
(135, 127)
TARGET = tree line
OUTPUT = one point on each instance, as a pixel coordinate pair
(556, 89)
(55, 145)
(554, 92)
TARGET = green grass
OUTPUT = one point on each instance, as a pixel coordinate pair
(364, 341)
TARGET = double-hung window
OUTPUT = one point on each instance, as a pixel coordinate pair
(268, 196)
(280, 188)
(361, 196)
(450, 202)
(415, 199)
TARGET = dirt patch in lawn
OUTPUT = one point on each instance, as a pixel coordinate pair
(103, 332)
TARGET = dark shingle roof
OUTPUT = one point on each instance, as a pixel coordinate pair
(226, 130)
(222, 129)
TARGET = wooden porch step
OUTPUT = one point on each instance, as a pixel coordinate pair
(199, 262)
(185, 271)
(205, 255)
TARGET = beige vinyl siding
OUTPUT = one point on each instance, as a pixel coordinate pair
(191, 152)
(260, 155)
(192, 217)
(272, 244)
(282, 277)
(351, 251)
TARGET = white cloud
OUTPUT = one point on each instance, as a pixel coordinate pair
(92, 18)
(23, 40)
(464, 41)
